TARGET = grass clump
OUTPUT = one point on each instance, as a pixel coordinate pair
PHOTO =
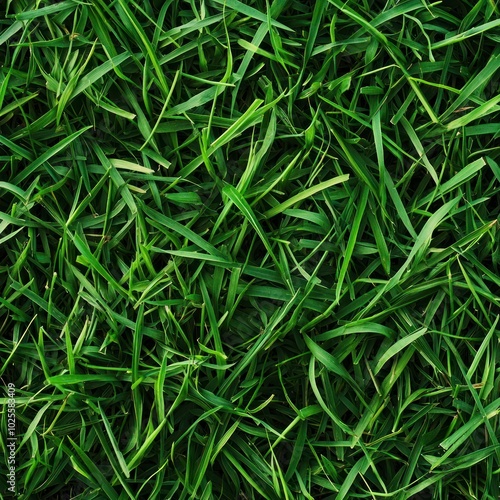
(251, 249)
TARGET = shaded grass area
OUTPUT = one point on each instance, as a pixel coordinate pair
(250, 249)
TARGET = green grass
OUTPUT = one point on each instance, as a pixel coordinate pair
(251, 249)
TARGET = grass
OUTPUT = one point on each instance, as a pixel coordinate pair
(251, 249)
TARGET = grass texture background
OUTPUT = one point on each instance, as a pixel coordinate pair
(250, 249)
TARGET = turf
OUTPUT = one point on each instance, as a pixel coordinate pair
(250, 249)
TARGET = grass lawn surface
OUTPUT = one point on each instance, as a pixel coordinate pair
(250, 249)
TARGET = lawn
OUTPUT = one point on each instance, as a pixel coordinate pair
(250, 249)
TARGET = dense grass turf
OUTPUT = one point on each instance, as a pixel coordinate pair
(251, 249)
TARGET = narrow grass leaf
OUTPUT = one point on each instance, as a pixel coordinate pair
(307, 193)
(45, 157)
(397, 347)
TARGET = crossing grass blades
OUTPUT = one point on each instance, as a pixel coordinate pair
(251, 249)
